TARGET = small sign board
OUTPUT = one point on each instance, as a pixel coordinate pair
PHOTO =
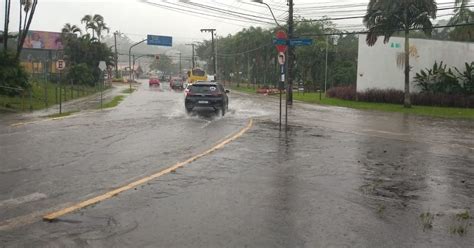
(102, 65)
(159, 40)
(60, 65)
(281, 58)
(281, 41)
(301, 42)
(395, 45)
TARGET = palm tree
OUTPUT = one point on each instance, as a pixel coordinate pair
(99, 25)
(388, 17)
(87, 19)
(71, 29)
(462, 3)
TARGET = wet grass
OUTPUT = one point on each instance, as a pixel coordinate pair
(315, 98)
(381, 209)
(44, 94)
(461, 223)
(128, 91)
(427, 221)
(64, 114)
(114, 103)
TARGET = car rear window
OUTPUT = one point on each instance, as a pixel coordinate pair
(203, 89)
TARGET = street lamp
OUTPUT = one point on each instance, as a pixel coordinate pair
(271, 11)
(290, 55)
(130, 60)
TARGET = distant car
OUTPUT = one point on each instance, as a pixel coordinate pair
(206, 95)
(154, 82)
(177, 84)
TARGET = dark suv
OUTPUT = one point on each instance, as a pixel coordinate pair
(206, 95)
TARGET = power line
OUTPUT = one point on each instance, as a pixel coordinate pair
(244, 52)
(399, 30)
(200, 14)
(362, 16)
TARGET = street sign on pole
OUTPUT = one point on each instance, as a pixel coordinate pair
(60, 65)
(159, 40)
(281, 42)
(281, 58)
(102, 65)
(301, 42)
(281, 35)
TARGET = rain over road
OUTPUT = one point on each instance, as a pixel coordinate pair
(337, 178)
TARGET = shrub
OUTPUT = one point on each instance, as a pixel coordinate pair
(441, 80)
(466, 78)
(81, 74)
(343, 92)
(12, 75)
(384, 96)
(396, 97)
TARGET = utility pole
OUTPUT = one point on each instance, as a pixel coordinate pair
(291, 55)
(212, 30)
(180, 69)
(192, 44)
(326, 69)
(7, 22)
(116, 53)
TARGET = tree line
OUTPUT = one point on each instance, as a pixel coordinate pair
(84, 51)
(249, 56)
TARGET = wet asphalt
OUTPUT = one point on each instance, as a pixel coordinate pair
(337, 178)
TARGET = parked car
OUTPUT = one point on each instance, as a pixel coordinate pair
(206, 95)
(154, 82)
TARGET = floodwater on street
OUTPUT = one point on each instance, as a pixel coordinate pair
(337, 178)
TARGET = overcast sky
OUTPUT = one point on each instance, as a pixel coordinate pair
(136, 19)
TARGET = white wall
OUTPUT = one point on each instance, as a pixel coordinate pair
(377, 65)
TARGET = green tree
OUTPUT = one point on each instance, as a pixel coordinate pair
(164, 64)
(12, 75)
(99, 26)
(71, 30)
(83, 54)
(87, 20)
(387, 17)
(462, 15)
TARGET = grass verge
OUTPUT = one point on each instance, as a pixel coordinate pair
(128, 91)
(64, 114)
(314, 98)
(44, 94)
(114, 103)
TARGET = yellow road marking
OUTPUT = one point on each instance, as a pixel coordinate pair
(27, 219)
(110, 194)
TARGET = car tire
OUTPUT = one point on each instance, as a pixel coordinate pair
(189, 110)
(222, 111)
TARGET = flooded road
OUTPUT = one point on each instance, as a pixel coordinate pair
(337, 178)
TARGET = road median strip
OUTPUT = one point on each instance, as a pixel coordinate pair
(55, 215)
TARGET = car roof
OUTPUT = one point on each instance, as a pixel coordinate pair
(205, 83)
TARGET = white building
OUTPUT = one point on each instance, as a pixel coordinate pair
(382, 66)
